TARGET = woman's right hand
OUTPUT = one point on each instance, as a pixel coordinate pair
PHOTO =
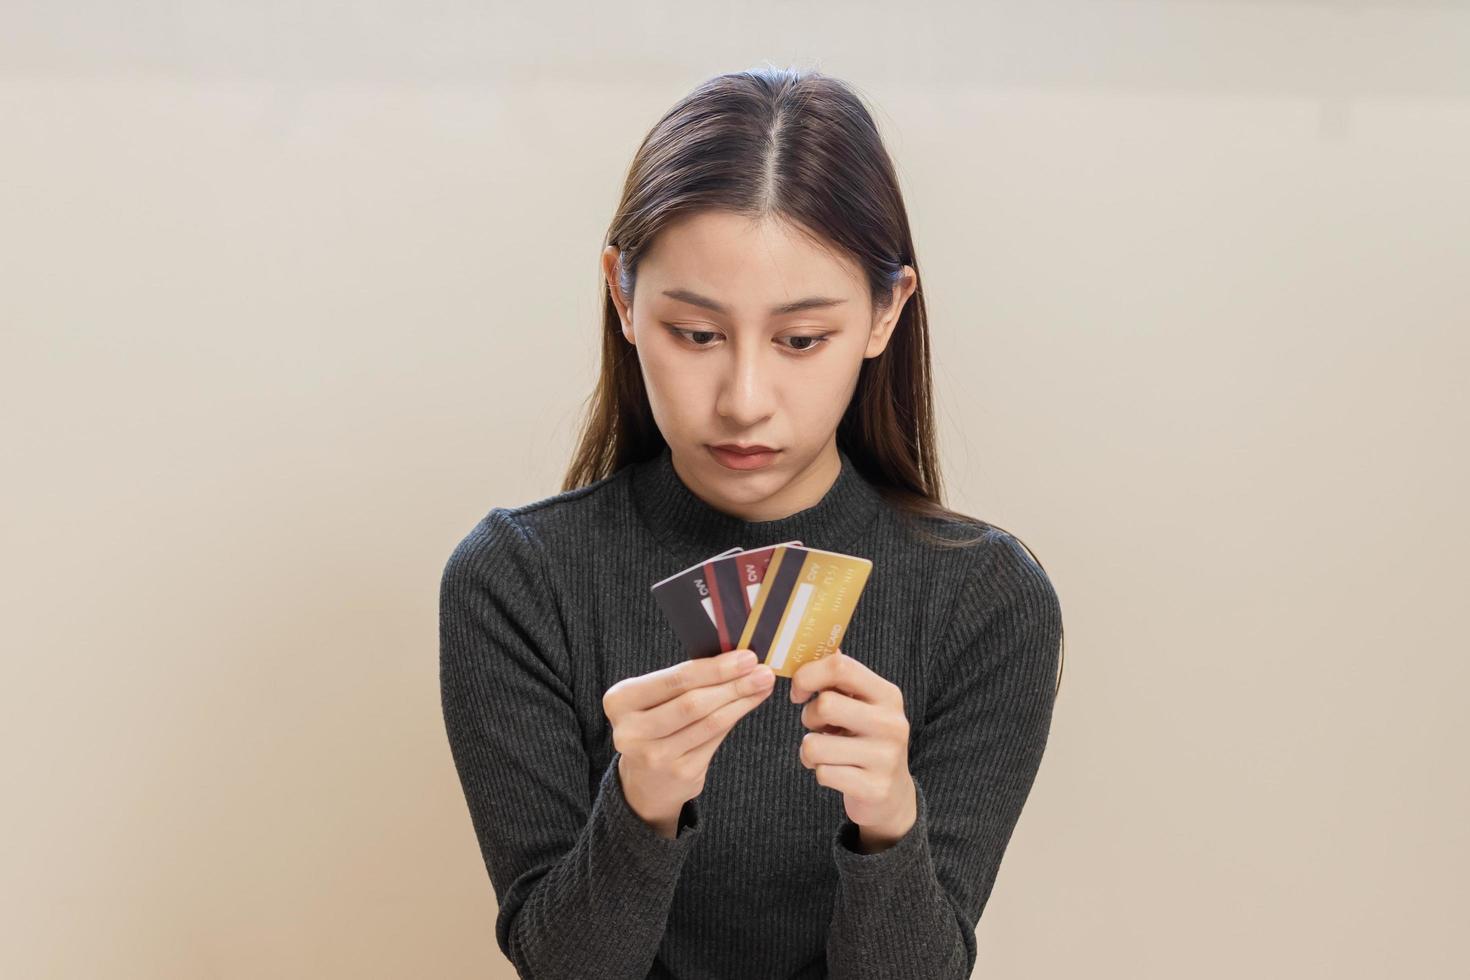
(667, 725)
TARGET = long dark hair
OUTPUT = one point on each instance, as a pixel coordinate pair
(801, 146)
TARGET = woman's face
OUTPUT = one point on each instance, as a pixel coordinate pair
(727, 359)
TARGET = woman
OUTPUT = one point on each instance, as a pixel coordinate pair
(760, 290)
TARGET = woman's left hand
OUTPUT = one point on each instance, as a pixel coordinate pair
(858, 745)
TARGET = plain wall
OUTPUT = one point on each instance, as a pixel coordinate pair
(291, 294)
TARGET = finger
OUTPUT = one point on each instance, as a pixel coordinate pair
(647, 690)
(663, 720)
(837, 710)
(818, 748)
(840, 672)
(847, 779)
(710, 731)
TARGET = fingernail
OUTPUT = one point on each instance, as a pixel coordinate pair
(746, 659)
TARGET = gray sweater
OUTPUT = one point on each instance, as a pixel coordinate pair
(546, 605)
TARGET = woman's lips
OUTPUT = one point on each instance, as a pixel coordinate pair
(743, 461)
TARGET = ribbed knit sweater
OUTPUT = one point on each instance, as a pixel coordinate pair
(546, 605)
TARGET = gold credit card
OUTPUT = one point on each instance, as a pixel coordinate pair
(806, 599)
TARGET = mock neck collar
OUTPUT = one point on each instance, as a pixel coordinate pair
(692, 529)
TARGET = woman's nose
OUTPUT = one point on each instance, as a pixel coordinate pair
(746, 393)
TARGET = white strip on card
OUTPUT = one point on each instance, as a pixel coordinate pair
(794, 615)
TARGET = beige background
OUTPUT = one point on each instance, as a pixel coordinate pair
(294, 292)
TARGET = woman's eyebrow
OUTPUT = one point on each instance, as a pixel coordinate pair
(810, 303)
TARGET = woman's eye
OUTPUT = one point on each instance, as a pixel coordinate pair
(807, 343)
(690, 335)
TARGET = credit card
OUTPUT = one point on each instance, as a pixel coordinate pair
(806, 600)
(734, 584)
(684, 597)
(708, 603)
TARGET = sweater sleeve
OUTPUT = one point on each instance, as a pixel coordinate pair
(912, 909)
(584, 885)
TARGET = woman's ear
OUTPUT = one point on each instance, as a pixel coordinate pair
(610, 271)
(883, 329)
